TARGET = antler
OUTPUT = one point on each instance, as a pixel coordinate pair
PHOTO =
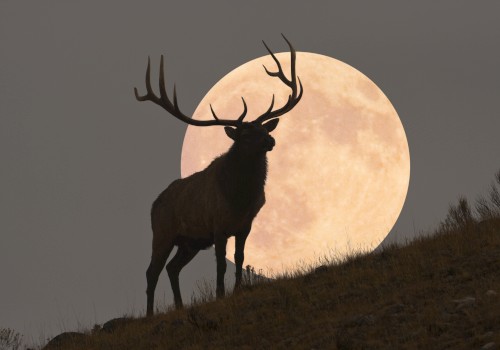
(295, 97)
(164, 101)
(173, 108)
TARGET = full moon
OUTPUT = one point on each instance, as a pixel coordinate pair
(339, 173)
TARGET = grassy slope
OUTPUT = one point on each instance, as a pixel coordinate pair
(401, 298)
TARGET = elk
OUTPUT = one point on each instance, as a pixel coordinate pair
(222, 200)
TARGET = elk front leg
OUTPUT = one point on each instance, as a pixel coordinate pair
(239, 256)
(220, 255)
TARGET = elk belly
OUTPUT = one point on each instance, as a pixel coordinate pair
(194, 243)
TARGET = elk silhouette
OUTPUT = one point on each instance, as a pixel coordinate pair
(209, 206)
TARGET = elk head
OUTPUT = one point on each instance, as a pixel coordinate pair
(253, 138)
(249, 137)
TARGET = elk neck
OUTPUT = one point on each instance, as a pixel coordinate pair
(242, 177)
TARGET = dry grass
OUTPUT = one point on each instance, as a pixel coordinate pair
(400, 298)
(438, 292)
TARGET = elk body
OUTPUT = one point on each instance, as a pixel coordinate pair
(220, 201)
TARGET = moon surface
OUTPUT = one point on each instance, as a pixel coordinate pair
(339, 174)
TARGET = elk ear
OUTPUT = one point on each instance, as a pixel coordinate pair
(271, 125)
(230, 132)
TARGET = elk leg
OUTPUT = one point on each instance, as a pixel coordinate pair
(158, 260)
(239, 256)
(182, 257)
(220, 255)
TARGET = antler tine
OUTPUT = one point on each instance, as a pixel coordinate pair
(176, 106)
(240, 118)
(279, 73)
(163, 92)
(293, 57)
(213, 113)
(245, 110)
(149, 94)
(295, 96)
(301, 91)
(271, 106)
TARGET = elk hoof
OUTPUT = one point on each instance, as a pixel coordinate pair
(219, 293)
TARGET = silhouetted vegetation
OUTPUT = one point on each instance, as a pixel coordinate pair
(462, 217)
(489, 207)
(10, 339)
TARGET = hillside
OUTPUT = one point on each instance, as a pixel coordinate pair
(441, 291)
(437, 292)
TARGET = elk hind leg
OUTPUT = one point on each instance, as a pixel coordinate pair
(158, 260)
(181, 258)
(220, 256)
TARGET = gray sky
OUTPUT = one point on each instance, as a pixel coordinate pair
(82, 161)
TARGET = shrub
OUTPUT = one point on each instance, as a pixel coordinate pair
(459, 216)
(9, 339)
(488, 208)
